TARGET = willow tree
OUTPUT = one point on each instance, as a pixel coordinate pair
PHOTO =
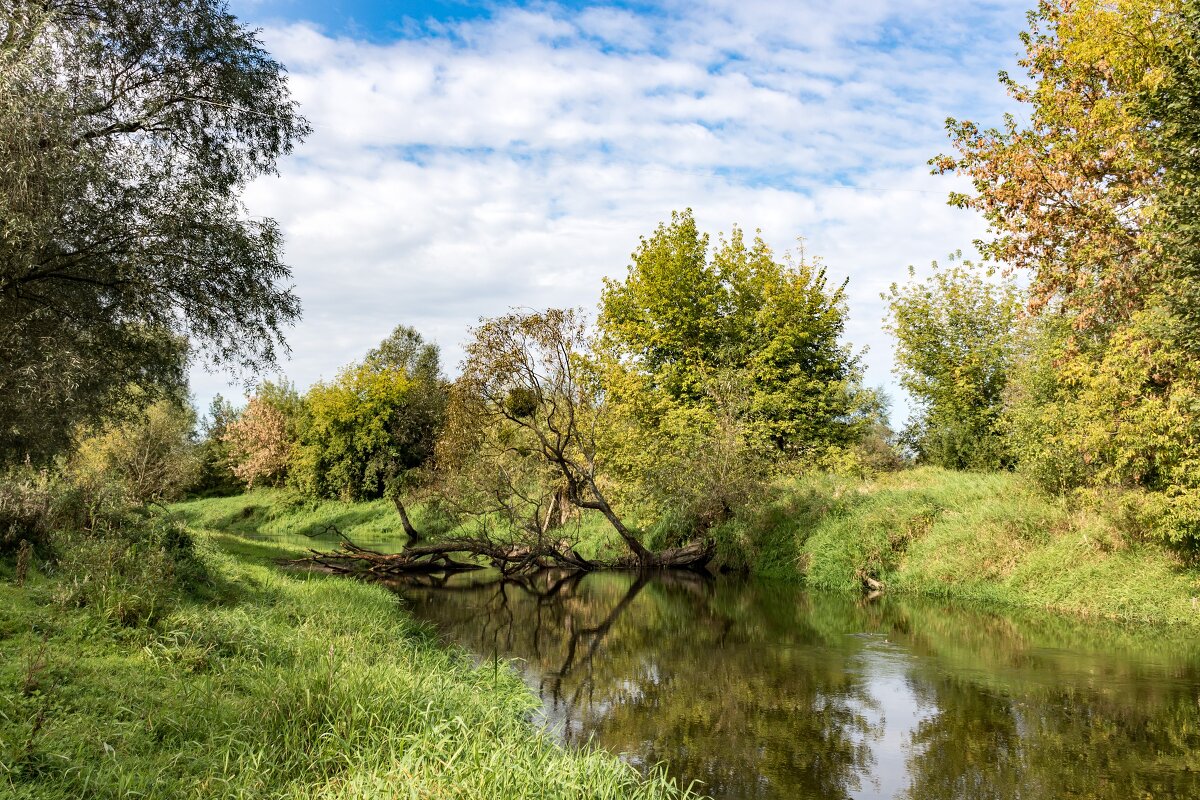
(522, 388)
(522, 441)
(127, 131)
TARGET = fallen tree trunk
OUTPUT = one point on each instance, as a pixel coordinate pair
(691, 556)
(511, 559)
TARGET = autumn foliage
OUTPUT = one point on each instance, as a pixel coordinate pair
(1093, 198)
(261, 441)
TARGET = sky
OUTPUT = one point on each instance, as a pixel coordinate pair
(468, 157)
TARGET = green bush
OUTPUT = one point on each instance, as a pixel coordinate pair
(124, 562)
(150, 456)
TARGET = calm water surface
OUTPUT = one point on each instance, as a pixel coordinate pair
(757, 690)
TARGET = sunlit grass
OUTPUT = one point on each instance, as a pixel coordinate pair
(989, 538)
(270, 685)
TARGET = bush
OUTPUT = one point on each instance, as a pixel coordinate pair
(126, 573)
(35, 504)
(120, 560)
(1122, 416)
(150, 457)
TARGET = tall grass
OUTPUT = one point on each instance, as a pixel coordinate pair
(267, 684)
(988, 538)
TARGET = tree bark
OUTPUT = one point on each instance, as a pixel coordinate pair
(414, 535)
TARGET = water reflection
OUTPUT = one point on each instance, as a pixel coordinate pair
(764, 691)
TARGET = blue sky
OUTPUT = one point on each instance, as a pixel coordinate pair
(468, 157)
(376, 21)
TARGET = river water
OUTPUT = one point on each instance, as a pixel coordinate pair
(760, 690)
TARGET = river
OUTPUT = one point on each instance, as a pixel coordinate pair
(762, 690)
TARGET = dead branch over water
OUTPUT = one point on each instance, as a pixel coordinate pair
(449, 555)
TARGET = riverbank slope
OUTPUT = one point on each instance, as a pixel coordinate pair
(981, 537)
(988, 538)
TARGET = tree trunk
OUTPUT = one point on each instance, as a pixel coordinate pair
(414, 535)
(509, 558)
(600, 503)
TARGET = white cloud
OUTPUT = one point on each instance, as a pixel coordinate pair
(516, 160)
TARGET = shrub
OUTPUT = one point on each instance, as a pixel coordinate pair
(126, 572)
(150, 457)
(121, 560)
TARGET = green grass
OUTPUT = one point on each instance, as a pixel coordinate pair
(281, 518)
(268, 684)
(985, 538)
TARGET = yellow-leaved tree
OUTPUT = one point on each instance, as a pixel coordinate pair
(1086, 197)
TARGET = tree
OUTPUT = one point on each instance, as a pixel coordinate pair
(717, 367)
(263, 439)
(682, 322)
(406, 349)
(344, 441)
(783, 328)
(522, 391)
(150, 456)
(416, 423)
(1070, 195)
(216, 476)
(665, 317)
(1095, 196)
(371, 432)
(955, 337)
(1125, 419)
(127, 131)
(1174, 104)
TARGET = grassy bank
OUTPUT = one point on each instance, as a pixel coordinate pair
(985, 538)
(988, 538)
(265, 684)
(281, 518)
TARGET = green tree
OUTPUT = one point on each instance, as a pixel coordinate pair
(684, 322)
(1127, 418)
(954, 350)
(1174, 104)
(1095, 196)
(345, 437)
(372, 431)
(665, 317)
(127, 131)
(216, 476)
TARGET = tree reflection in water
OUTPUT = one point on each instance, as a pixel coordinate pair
(761, 691)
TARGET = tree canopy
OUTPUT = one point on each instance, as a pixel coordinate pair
(955, 340)
(1094, 197)
(126, 133)
(688, 324)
